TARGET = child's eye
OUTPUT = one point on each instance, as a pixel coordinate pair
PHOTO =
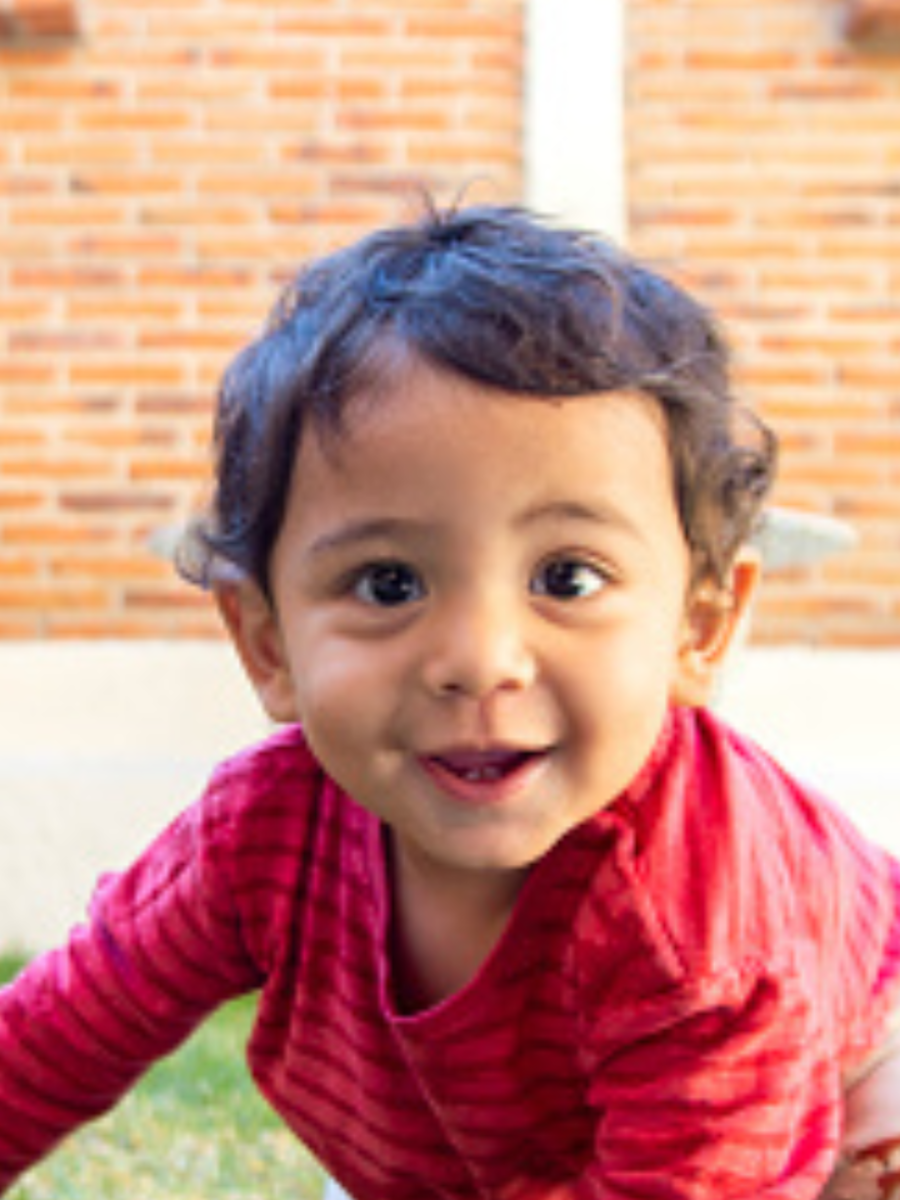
(568, 579)
(388, 585)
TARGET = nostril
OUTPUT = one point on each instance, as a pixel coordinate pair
(449, 688)
(480, 687)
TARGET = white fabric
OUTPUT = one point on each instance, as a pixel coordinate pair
(333, 1191)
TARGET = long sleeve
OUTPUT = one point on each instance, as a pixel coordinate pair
(160, 950)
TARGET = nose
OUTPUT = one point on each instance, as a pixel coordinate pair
(479, 646)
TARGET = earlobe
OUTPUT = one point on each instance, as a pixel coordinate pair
(253, 626)
(716, 621)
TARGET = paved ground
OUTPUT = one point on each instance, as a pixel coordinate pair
(97, 752)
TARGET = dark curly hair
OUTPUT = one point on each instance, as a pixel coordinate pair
(504, 299)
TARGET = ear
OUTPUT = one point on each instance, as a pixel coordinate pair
(253, 625)
(716, 619)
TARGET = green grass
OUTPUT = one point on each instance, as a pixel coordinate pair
(194, 1128)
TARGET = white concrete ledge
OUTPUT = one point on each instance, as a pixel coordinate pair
(101, 744)
(831, 716)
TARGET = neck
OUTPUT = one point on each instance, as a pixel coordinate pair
(444, 925)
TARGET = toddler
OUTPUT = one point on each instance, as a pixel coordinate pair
(527, 921)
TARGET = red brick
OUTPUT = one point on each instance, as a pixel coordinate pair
(60, 470)
(179, 597)
(83, 150)
(195, 278)
(178, 404)
(36, 19)
(113, 501)
(43, 598)
(152, 625)
(871, 18)
(473, 27)
(52, 90)
(73, 342)
(133, 372)
(154, 470)
(112, 437)
(45, 535)
(137, 181)
(19, 502)
(120, 568)
(16, 373)
(63, 277)
(117, 119)
(130, 310)
(14, 628)
(63, 213)
(17, 569)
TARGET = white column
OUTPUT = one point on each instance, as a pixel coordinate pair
(574, 158)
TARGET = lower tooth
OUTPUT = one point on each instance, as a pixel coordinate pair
(482, 775)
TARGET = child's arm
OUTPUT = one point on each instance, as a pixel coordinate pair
(71, 1043)
(869, 1165)
(81, 1024)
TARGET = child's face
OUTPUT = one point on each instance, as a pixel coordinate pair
(481, 612)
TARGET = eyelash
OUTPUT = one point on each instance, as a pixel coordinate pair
(362, 584)
(582, 567)
(362, 581)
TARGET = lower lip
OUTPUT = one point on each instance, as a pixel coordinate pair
(485, 792)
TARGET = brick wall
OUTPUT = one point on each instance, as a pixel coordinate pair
(160, 168)
(161, 164)
(764, 164)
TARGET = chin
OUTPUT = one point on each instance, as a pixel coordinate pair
(512, 857)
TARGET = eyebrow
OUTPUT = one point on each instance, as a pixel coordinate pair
(607, 516)
(355, 533)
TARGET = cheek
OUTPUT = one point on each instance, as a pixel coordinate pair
(329, 689)
(332, 723)
(618, 698)
(629, 661)
(343, 699)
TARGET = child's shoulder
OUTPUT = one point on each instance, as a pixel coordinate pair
(723, 870)
(720, 802)
(279, 774)
(740, 783)
(732, 846)
(284, 751)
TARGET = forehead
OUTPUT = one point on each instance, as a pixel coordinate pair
(399, 390)
(426, 440)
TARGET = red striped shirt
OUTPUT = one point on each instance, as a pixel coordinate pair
(667, 1015)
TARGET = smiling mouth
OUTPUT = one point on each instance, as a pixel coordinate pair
(484, 766)
(483, 774)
